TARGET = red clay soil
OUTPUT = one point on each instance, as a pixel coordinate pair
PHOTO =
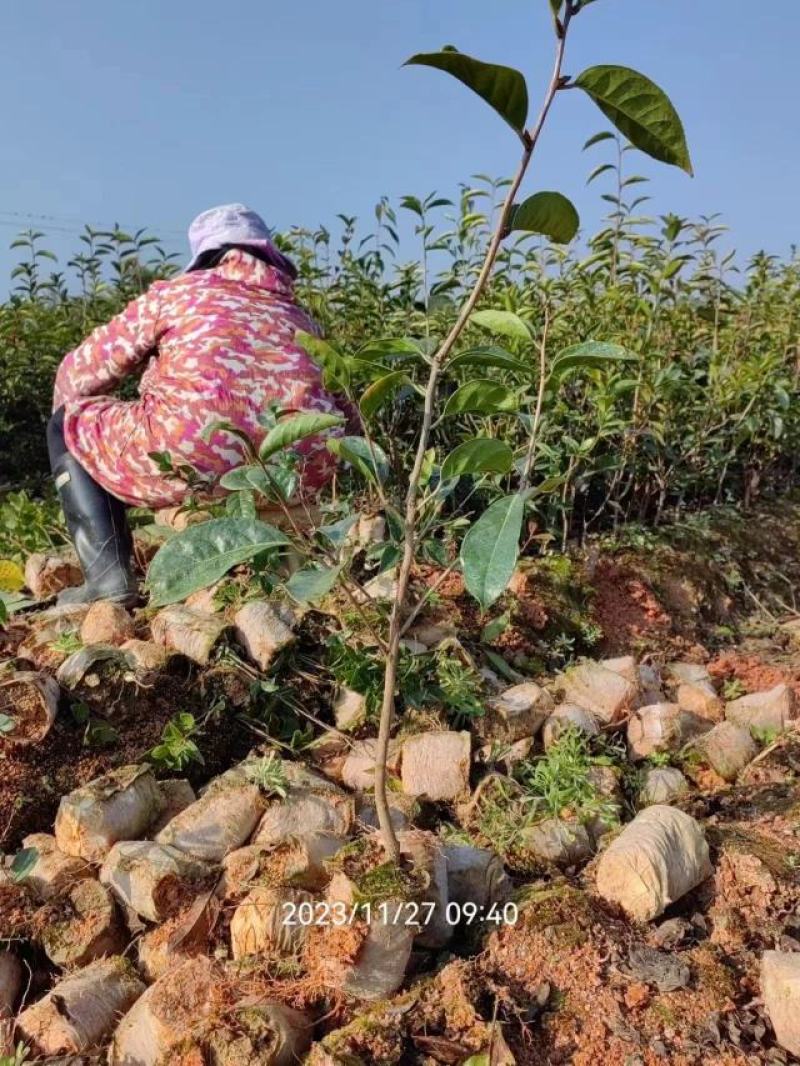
(573, 951)
(627, 609)
(752, 672)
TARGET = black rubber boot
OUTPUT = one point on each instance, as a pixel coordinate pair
(97, 524)
(99, 530)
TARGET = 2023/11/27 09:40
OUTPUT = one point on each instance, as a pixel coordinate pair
(395, 912)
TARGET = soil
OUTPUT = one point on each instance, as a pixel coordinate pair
(33, 779)
(758, 672)
(572, 980)
(25, 705)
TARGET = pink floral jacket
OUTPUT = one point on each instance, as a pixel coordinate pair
(219, 344)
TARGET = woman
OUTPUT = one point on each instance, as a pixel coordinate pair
(218, 341)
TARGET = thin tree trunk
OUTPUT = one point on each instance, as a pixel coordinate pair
(530, 140)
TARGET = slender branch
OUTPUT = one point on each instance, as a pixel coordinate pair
(537, 414)
(530, 141)
(414, 612)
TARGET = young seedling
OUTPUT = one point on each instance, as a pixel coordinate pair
(642, 112)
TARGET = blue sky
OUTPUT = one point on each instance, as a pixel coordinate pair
(147, 113)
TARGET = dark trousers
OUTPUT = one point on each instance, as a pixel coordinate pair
(56, 445)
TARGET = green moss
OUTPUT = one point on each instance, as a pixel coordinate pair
(375, 881)
(385, 882)
(565, 911)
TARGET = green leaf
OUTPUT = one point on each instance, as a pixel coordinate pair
(548, 213)
(23, 862)
(494, 629)
(220, 425)
(335, 367)
(307, 586)
(481, 396)
(598, 138)
(428, 462)
(602, 169)
(371, 464)
(336, 532)
(13, 601)
(490, 549)
(379, 392)
(296, 428)
(504, 322)
(484, 455)
(498, 663)
(640, 110)
(591, 355)
(202, 554)
(389, 348)
(245, 479)
(489, 356)
(503, 88)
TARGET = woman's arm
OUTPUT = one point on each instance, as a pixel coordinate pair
(111, 352)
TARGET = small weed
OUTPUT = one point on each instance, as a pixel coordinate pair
(177, 749)
(229, 594)
(361, 669)
(96, 733)
(67, 643)
(460, 687)
(453, 834)
(28, 525)
(562, 649)
(356, 668)
(268, 773)
(555, 785)
(764, 735)
(382, 883)
(376, 881)
(591, 633)
(559, 567)
(559, 781)
(18, 1057)
(658, 758)
(733, 689)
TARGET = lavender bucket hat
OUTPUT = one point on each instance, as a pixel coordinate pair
(233, 224)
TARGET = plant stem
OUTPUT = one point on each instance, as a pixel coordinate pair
(537, 414)
(529, 140)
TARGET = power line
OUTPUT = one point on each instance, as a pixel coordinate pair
(77, 225)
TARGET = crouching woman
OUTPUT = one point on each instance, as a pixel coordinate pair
(215, 343)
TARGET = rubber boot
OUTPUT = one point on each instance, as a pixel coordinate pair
(99, 530)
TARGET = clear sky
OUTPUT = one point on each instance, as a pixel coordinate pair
(149, 112)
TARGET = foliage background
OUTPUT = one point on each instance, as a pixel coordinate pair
(705, 413)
